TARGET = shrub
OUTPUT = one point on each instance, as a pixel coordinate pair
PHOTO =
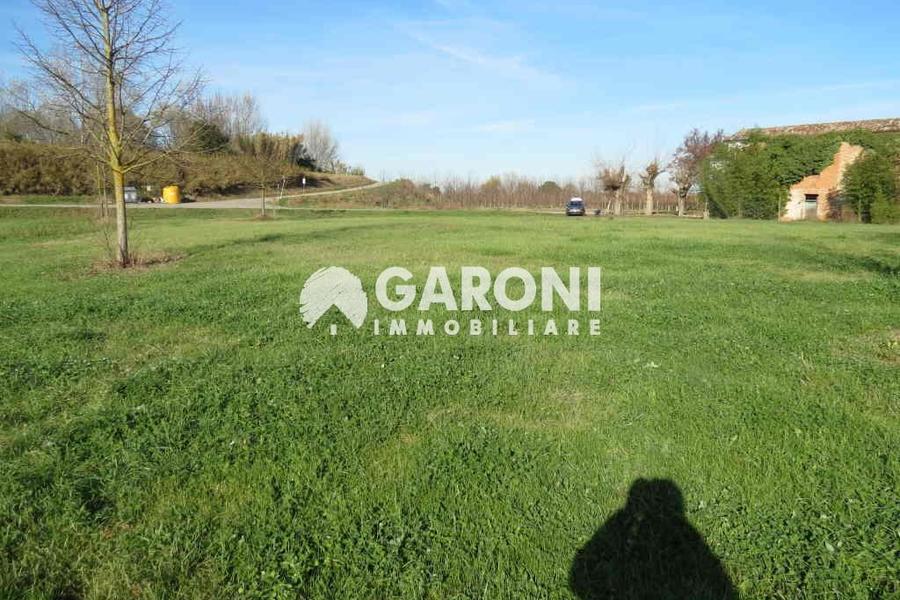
(740, 182)
(869, 178)
(206, 137)
(39, 169)
(550, 187)
(883, 209)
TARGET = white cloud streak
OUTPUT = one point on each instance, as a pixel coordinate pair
(510, 67)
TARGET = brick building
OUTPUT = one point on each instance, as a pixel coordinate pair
(809, 198)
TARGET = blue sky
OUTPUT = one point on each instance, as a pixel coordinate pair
(469, 89)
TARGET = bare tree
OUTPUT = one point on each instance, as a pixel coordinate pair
(321, 145)
(245, 116)
(614, 180)
(17, 99)
(648, 181)
(115, 77)
(688, 160)
(267, 158)
(236, 116)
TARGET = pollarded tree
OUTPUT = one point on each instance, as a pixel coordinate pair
(648, 181)
(114, 76)
(614, 180)
(684, 183)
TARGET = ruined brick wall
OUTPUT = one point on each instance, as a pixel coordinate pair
(824, 185)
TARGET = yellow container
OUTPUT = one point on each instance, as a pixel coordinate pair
(171, 194)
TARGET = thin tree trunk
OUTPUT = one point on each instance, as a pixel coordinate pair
(115, 147)
(102, 199)
(648, 204)
(122, 256)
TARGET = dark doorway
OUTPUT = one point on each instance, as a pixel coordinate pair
(649, 550)
(811, 207)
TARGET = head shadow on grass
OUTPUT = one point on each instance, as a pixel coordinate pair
(648, 549)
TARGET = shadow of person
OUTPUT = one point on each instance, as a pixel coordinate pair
(649, 550)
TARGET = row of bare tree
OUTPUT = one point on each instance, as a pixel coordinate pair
(513, 191)
(613, 189)
(683, 170)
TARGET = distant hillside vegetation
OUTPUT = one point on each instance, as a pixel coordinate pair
(31, 168)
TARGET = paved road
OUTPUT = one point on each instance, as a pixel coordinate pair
(242, 203)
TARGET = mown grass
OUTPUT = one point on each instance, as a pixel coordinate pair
(178, 432)
(48, 199)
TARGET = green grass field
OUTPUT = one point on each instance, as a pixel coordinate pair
(48, 199)
(177, 431)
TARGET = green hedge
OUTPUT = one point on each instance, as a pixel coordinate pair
(39, 169)
(870, 180)
(752, 179)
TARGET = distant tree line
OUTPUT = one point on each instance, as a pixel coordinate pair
(515, 191)
(212, 124)
(30, 168)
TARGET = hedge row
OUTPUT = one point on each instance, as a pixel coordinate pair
(39, 169)
(27, 168)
